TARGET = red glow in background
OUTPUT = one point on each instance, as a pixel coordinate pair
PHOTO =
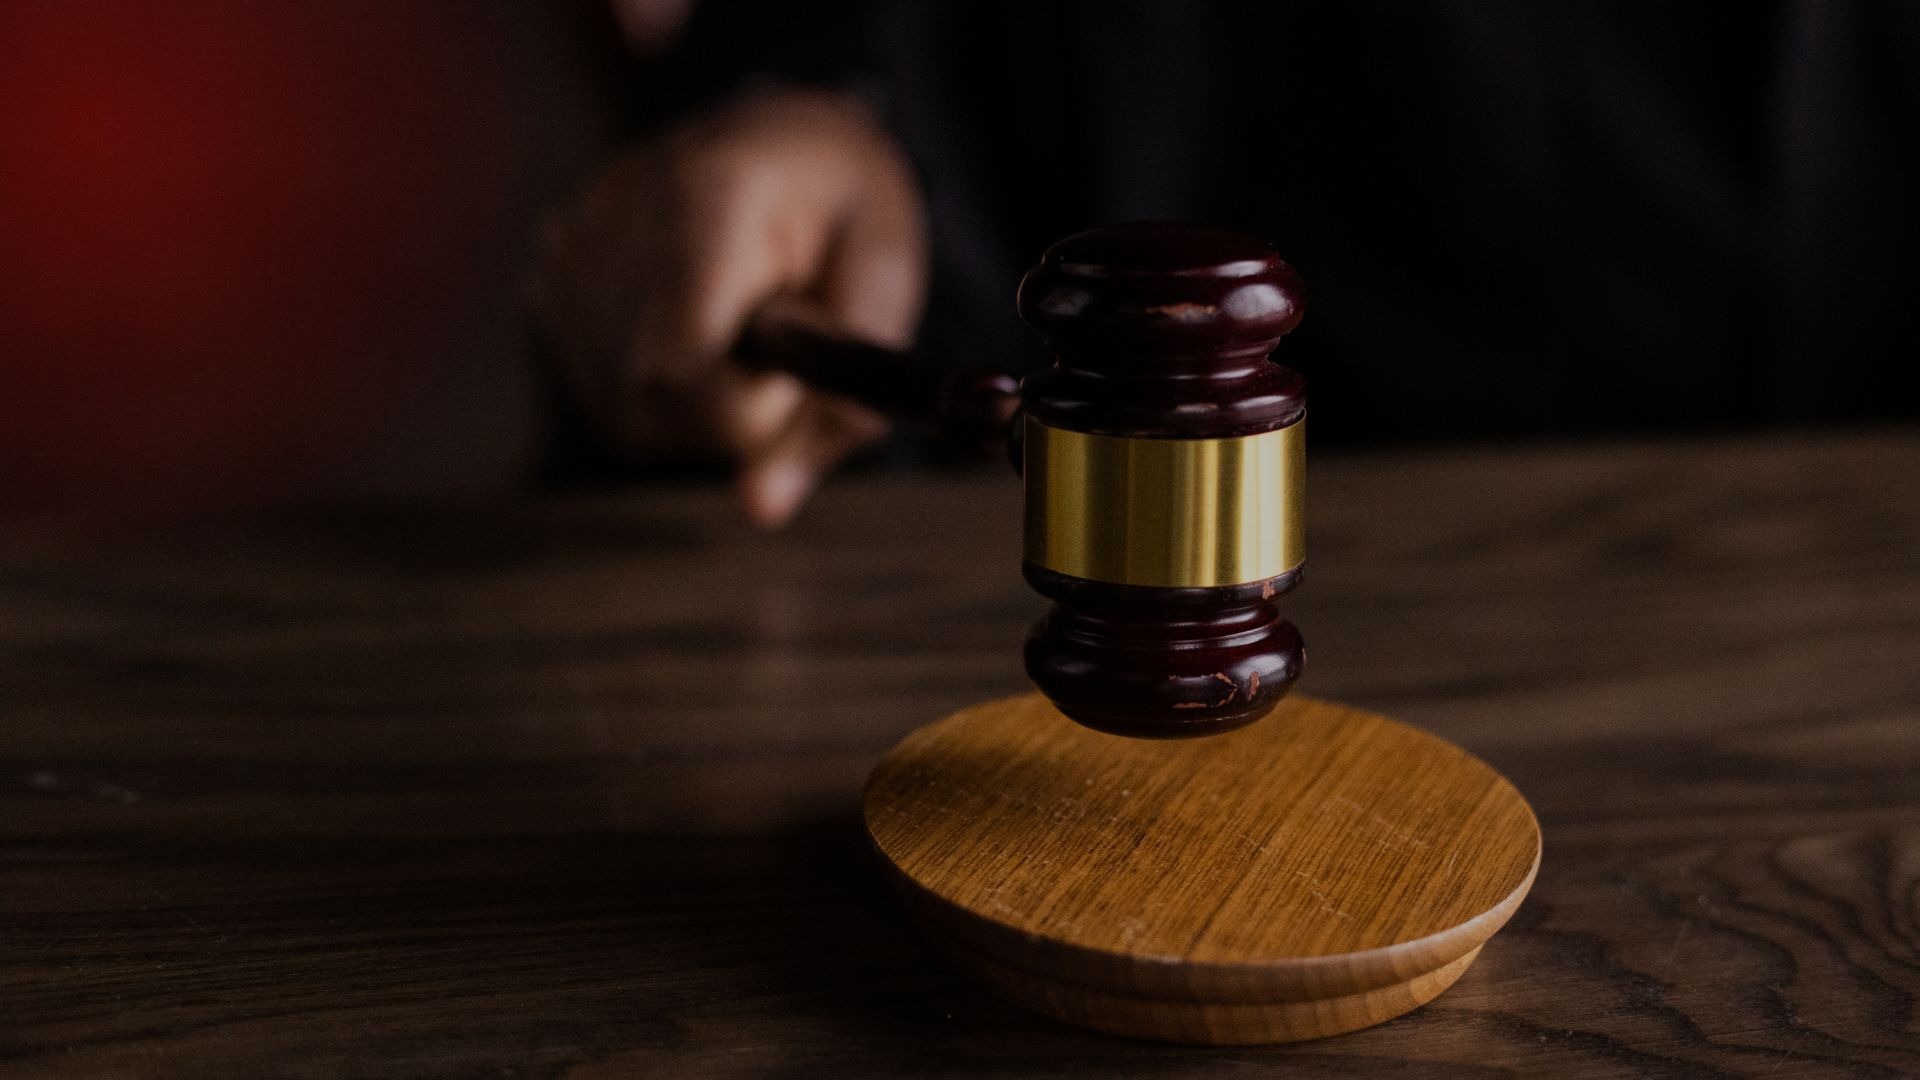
(247, 250)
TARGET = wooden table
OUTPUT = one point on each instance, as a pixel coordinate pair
(570, 788)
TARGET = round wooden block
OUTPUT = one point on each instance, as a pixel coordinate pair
(1321, 871)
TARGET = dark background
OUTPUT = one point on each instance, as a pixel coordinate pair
(250, 251)
(259, 252)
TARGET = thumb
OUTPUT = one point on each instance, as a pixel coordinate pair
(776, 478)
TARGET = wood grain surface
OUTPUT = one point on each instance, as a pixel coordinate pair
(1322, 871)
(571, 789)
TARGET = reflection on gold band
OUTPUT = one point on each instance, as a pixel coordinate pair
(1166, 512)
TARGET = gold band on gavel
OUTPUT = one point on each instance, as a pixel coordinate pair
(1176, 513)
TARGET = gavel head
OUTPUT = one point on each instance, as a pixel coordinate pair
(1163, 457)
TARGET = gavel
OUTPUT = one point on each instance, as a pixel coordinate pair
(1163, 457)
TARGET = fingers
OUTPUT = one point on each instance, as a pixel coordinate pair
(874, 275)
(776, 478)
(746, 241)
(844, 227)
(756, 408)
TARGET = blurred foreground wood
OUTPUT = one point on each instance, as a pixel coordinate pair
(572, 788)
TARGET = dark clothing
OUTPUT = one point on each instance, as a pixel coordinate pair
(1512, 217)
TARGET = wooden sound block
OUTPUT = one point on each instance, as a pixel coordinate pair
(1323, 870)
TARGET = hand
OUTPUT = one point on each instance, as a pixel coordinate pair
(646, 283)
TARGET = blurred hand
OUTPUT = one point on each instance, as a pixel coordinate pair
(646, 283)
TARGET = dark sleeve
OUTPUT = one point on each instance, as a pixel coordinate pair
(729, 46)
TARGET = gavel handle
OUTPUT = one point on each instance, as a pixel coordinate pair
(971, 408)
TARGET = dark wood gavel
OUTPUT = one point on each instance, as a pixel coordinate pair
(1163, 455)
